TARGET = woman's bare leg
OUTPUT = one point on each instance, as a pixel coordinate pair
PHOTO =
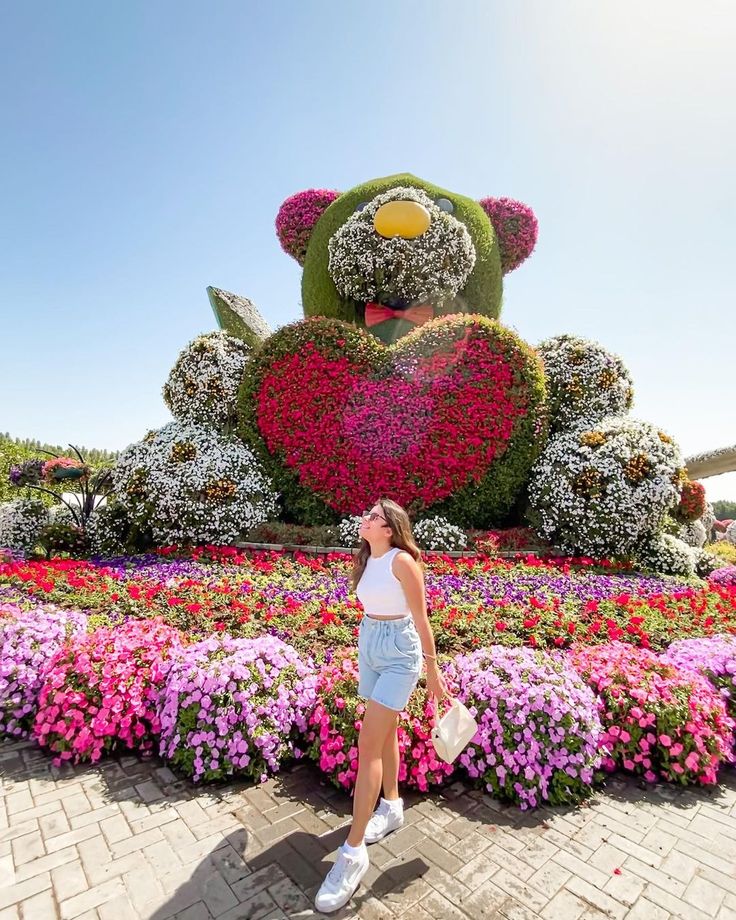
(379, 723)
(390, 762)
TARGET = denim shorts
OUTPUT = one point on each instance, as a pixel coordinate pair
(389, 660)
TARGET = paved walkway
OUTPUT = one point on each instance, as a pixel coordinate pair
(127, 840)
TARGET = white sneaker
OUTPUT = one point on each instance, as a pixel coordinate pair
(384, 820)
(342, 882)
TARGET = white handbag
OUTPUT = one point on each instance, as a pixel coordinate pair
(453, 732)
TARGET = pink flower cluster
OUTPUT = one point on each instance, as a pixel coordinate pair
(660, 721)
(48, 470)
(516, 229)
(336, 721)
(712, 656)
(101, 690)
(420, 766)
(297, 217)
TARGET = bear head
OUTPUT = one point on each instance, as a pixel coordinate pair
(393, 253)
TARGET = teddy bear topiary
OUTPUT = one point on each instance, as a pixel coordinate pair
(401, 380)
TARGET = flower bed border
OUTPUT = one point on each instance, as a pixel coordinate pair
(352, 550)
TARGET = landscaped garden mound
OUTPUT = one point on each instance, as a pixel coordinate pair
(235, 663)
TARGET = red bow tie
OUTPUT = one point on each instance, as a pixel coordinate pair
(378, 313)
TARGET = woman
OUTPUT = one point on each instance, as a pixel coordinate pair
(395, 636)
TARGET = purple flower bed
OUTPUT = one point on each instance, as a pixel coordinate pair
(235, 706)
(539, 731)
(29, 639)
(499, 588)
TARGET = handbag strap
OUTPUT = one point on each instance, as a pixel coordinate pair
(438, 703)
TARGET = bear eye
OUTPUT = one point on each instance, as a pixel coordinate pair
(444, 204)
(361, 206)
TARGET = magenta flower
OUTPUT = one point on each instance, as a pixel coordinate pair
(516, 229)
(297, 217)
(101, 691)
(669, 721)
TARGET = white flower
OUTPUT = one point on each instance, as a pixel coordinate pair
(667, 555)
(434, 266)
(600, 491)
(108, 528)
(585, 382)
(203, 384)
(191, 484)
(731, 533)
(437, 533)
(693, 534)
(348, 530)
(708, 519)
(21, 523)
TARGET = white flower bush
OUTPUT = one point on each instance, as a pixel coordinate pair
(585, 383)
(61, 514)
(108, 529)
(348, 530)
(203, 384)
(601, 491)
(705, 561)
(730, 534)
(666, 554)
(367, 267)
(693, 534)
(437, 533)
(191, 484)
(21, 523)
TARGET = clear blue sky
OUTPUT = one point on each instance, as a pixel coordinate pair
(147, 147)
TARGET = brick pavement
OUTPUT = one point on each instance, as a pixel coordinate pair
(126, 840)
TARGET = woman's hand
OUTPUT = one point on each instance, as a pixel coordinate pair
(436, 684)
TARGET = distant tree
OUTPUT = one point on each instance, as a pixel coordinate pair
(724, 510)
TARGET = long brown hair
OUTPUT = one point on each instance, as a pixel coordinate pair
(401, 537)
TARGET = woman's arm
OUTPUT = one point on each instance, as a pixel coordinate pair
(411, 576)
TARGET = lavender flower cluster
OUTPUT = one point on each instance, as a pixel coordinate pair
(539, 731)
(235, 706)
(29, 639)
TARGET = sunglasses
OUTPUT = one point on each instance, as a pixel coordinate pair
(373, 516)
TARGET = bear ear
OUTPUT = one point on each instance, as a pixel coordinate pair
(297, 217)
(516, 229)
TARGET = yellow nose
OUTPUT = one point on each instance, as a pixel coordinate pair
(402, 218)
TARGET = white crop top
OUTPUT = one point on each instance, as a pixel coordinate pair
(379, 590)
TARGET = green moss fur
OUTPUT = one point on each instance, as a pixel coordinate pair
(483, 291)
